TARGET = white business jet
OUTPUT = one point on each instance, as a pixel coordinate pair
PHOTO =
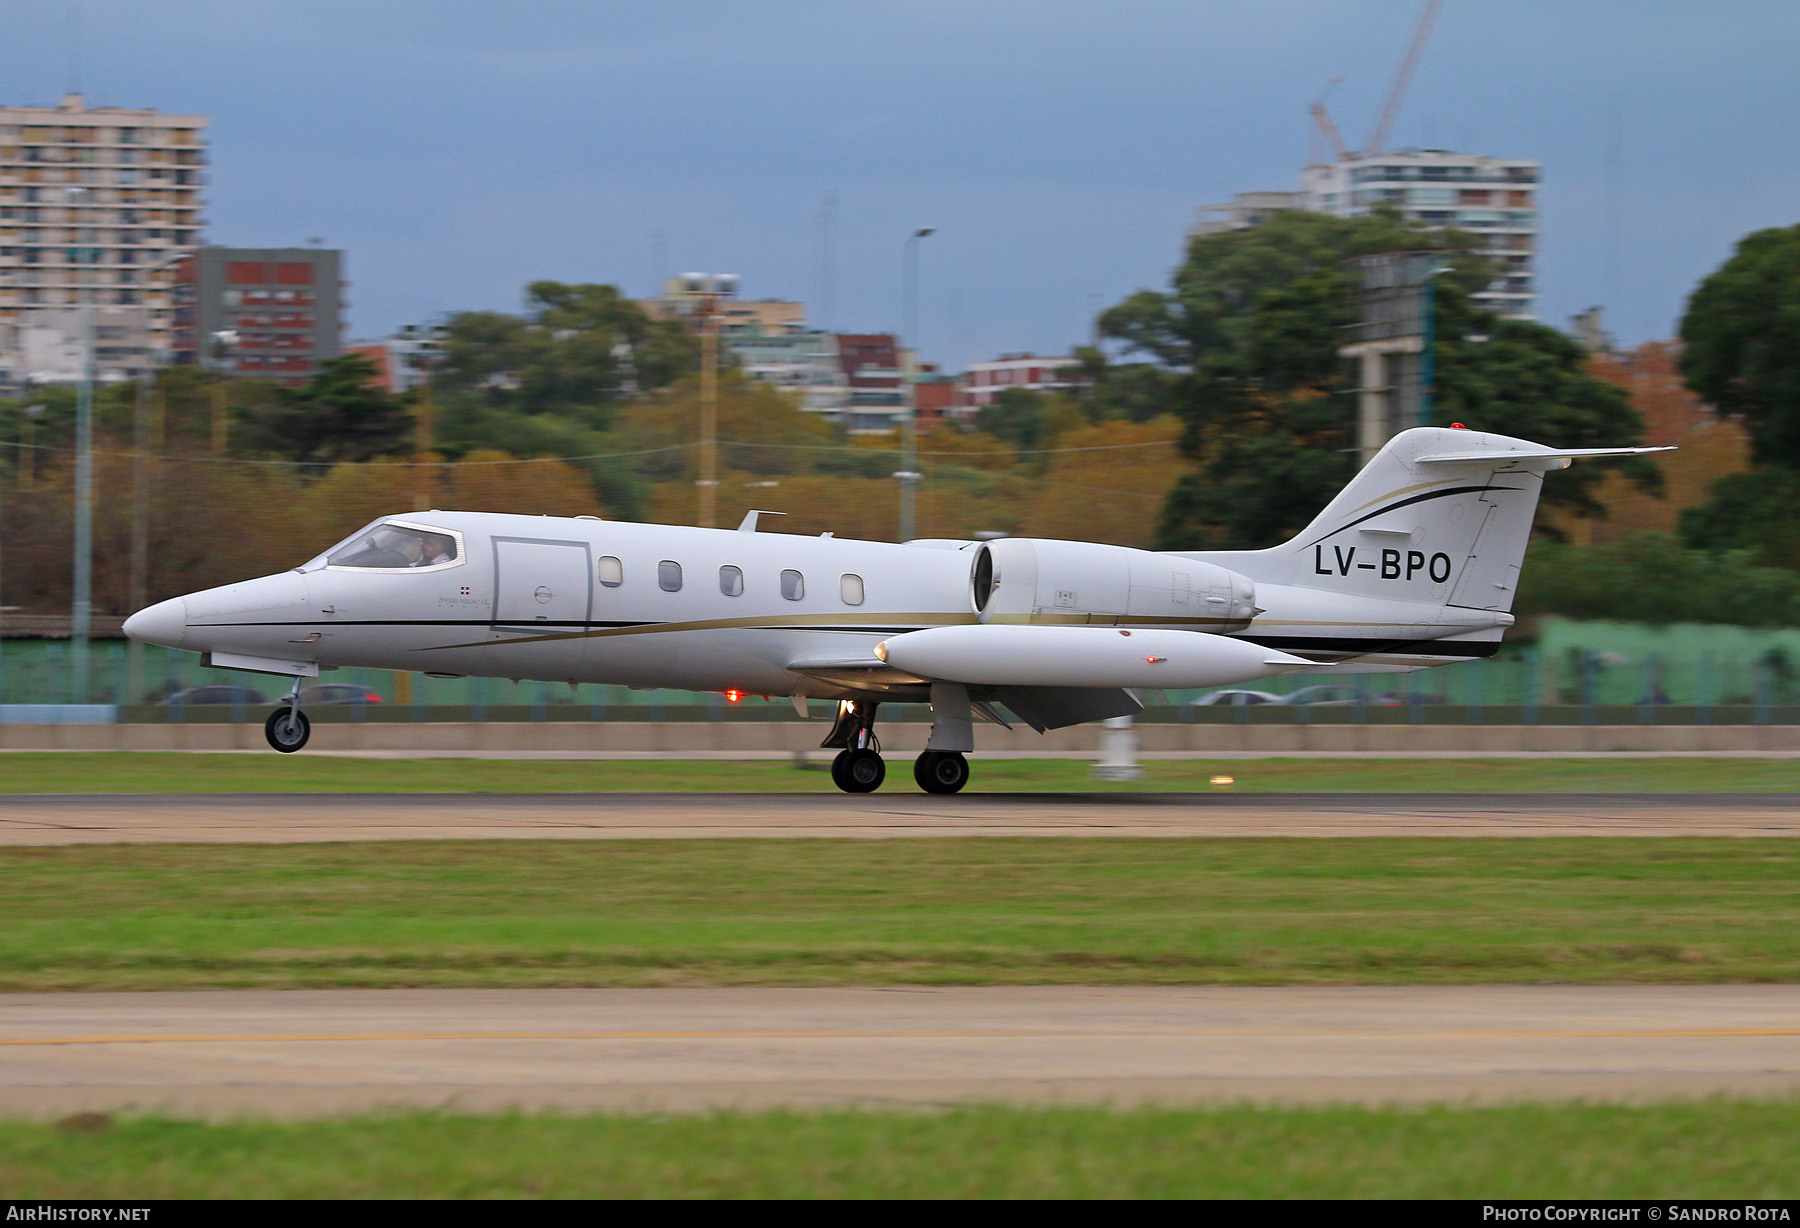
(1414, 564)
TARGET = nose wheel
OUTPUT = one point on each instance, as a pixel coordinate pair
(941, 771)
(287, 727)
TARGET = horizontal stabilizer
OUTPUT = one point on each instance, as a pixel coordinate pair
(1516, 455)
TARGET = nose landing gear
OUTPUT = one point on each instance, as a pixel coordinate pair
(287, 728)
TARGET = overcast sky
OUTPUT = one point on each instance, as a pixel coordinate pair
(458, 149)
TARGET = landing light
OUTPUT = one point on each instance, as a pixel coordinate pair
(1224, 780)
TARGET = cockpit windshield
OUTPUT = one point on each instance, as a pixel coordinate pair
(395, 546)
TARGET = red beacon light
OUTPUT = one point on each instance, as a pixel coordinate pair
(1457, 426)
(733, 695)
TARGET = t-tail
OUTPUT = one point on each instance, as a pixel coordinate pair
(1431, 534)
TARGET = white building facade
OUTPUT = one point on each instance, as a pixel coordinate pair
(95, 205)
(1494, 199)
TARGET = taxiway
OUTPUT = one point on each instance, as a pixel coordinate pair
(53, 819)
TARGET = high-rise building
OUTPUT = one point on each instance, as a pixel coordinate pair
(259, 312)
(95, 206)
(1494, 199)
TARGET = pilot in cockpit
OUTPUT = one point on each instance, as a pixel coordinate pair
(434, 550)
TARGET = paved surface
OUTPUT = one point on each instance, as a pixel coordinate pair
(31, 819)
(295, 1053)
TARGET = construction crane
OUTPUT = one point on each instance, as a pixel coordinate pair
(1396, 92)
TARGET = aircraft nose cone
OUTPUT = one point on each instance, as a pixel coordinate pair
(164, 623)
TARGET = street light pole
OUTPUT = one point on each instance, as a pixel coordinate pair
(909, 423)
(82, 608)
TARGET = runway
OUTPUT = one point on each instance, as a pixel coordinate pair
(219, 1054)
(57, 819)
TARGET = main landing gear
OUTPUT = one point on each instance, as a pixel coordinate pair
(941, 771)
(287, 727)
(942, 768)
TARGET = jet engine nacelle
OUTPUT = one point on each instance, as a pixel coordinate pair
(1022, 579)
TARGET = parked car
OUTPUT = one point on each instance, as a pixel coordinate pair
(1239, 698)
(215, 693)
(1336, 695)
(337, 693)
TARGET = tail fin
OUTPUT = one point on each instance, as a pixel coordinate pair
(1440, 515)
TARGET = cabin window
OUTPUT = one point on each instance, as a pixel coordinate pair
(668, 575)
(612, 572)
(851, 588)
(793, 585)
(395, 546)
(731, 581)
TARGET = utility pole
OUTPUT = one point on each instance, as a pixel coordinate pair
(909, 424)
(423, 359)
(709, 412)
(222, 343)
(703, 291)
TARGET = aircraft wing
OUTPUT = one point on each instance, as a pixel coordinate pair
(863, 671)
(1041, 707)
(1053, 707)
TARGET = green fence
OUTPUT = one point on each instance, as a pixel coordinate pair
(1598, 673)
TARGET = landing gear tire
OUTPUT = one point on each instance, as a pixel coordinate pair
(858, 771)
(941, 771)
(287, 730)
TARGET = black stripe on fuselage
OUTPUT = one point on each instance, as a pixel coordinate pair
(571, 625)
(1424, 498)
(1338, 644)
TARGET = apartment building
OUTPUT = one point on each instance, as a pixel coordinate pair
(802, 362)
(96, 204)
(768, 316)
(987, 380)
(1494, 199)
(259, 312)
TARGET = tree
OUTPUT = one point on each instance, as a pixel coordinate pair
(547, 380)
(342, 414)
(1741, 338)
(1754, 512)
(1246, 349)
(1741, 342)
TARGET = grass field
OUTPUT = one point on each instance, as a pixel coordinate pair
(963, 911)
(158, 772)
(1710, 1149)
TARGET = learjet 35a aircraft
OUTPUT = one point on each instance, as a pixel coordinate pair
(1414, 564)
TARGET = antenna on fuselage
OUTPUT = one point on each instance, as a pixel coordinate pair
(748, 524)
